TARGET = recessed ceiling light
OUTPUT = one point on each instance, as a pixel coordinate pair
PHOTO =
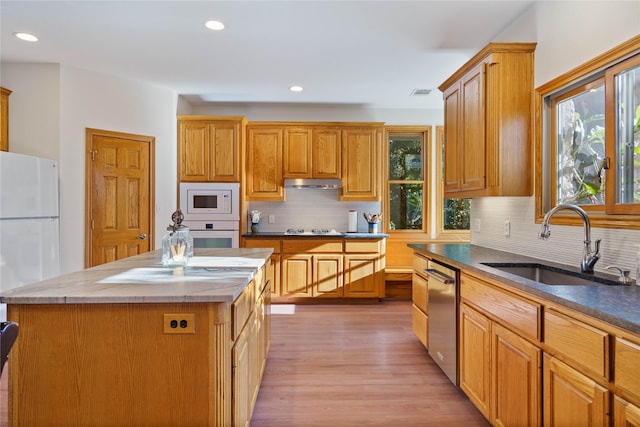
(214, 25)
(296, 88)
(26, 37)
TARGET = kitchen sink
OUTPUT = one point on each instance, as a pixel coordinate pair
(550, 275)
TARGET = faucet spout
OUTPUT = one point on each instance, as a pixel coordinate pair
(589, 257)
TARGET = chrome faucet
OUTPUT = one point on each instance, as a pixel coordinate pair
(589, 258)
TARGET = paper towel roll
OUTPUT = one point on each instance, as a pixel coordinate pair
(353, 222)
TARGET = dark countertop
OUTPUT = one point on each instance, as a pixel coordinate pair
(282, 235)
(615, 304)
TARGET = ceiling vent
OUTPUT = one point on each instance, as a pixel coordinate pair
(420, 92)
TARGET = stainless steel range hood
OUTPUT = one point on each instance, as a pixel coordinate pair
(322, 184)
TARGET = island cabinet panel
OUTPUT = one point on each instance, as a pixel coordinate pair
(273, 270)
(582, 344)
(572, 399)
(82, 364)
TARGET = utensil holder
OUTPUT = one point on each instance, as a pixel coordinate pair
(374, 227)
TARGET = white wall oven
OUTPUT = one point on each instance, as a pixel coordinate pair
(212, 212)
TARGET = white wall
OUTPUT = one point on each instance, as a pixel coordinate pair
(568, 34)
(53, 107)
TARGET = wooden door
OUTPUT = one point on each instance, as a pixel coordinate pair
(241, 378)
(297, 276)
(326, 148)
(264, 164)
(297, 153)
(224, 151)
(328, 276)
(452, 135)
(625, 414)
(572, 399)
(360, 148)
(475, 358)
(361, 276)
(4, 119)
(473, 130)
(194, 151)
(516, 379)
(119, 196)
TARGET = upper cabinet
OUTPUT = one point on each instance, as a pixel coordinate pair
(488, 124)
(360, 163)
(264, 179)
(4, 119)
(209, 148)
(311, 152)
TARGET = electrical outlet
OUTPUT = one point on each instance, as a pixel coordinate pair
(507, 228)
(272, 219)
(181, 323)
(476, 225)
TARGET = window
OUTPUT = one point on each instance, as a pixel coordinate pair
(453, 215)
(589, 139)
(407, 165)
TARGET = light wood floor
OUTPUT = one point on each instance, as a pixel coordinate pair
(355, 365)
(349, 365)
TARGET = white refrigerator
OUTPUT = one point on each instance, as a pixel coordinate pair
(29, 221)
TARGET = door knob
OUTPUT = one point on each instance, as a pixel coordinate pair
(142, 236)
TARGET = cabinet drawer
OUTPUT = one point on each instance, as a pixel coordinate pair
(578, 341)
(241, 309)
(419, 323)
(362, 246)
(627, 367)
(514, 311)
(311, 246)
(420, 263)
(263, 243)
(419, 292)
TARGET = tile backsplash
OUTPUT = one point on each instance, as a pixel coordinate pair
(618, 246)
(312, 208)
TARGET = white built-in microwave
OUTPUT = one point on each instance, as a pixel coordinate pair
(210, 201)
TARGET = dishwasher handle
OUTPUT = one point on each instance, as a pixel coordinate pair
(440, 277)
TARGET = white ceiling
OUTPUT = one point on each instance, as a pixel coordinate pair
(371, 53)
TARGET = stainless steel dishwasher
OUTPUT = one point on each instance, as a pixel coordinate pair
(442, 309)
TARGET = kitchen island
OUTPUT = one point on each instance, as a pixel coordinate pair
(134, 343)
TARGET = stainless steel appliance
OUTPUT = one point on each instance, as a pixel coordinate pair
(212, 212)
(442, 307)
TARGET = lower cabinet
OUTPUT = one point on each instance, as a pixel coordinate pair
(363, 276)
(625, 414)
(419, 316)
(475, 358)
(571, 398)
(312, 275)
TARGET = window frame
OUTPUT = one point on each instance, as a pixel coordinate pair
(545, 175)
(425, 131)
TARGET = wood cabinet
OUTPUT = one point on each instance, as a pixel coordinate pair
(326, 267)
(420, 299)
(209, 148)
(475, 358)
(264, 171)
(273, 269)
(4, 119)
(571, 398)
(488, 124)
(361, 147)
(625, 414)
(312, 152)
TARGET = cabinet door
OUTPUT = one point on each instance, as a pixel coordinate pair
(225, 152)
(572, 399)
(328, 276)
(360, 147)
(625, 414)
(4, 119)
(326, 150)
(472, 148)
(297, 279)
(264, 164)
(297, 153)
(194, 151)
(475, 358)
(516, 378)
(452, 136)
(241, 379)
(362, 276)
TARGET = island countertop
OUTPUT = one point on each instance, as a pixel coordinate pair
(213, 275)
